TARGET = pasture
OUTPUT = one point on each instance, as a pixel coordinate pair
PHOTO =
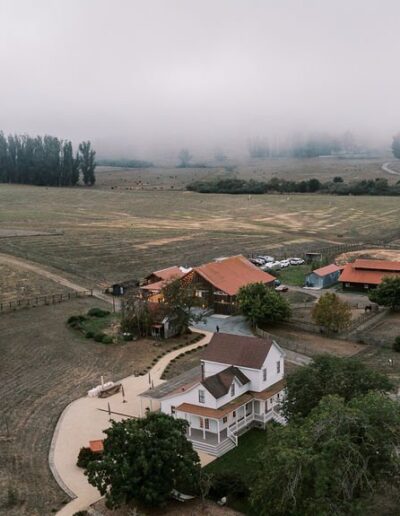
(105, 235)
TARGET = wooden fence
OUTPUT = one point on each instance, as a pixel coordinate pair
(17, 304)
(298, 347)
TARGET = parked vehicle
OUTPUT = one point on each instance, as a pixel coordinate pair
(275, 265)
(285, 263)
(281, 288)
(266, 258)
(267, 267)
(296, 261)
(256, 261)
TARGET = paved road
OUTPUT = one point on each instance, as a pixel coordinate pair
(234, 325)
(386, 168)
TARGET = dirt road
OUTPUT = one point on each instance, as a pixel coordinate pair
(42, 271)
(386, 168)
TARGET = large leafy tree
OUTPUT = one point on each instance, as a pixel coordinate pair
(329, 375)
(332, 313)
(144, 460)
(184, 157)
(178, 299)
(87, 163)
(396, 146)
(331, 462)
(260, 303)
(387, 293)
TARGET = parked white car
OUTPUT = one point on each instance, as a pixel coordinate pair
(285, 263)
(266, 258)
(256, 261)
(296, 261)
(276, 265)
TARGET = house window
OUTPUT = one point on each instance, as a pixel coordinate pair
(278, 366)
(233, 389)
(202, 397)
(173, 410)
(224, 419)
(264, 375)
(347, 284)
(366, 285)
(234, 413)
(204, 423)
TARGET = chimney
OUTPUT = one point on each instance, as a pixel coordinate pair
(202, 371)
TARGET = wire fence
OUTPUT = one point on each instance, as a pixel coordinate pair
(52, 299)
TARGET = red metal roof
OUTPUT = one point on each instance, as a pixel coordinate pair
(96, 446)
(328, 269)
(230, 274)
(352, 274)
(377, 265)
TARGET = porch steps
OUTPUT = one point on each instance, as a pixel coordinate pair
(216, 450)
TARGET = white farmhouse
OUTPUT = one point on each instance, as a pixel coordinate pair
(239, 385)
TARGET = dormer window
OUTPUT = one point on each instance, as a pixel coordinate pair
(233, 389)
(264, 374)
(202, 398)
(278, 366)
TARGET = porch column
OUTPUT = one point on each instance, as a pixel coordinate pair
(190, 425)
(204, 428)
(219, 437)
(141, 407)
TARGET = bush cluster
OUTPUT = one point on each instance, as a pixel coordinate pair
(379, 186)
(97, 312)
(227, 484)
(85, 456)
(396, 344)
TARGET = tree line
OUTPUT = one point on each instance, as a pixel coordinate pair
(378, 186)
(45, 161)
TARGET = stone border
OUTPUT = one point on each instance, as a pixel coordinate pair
(52, 466)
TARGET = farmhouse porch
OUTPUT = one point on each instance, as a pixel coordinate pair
(215, 431)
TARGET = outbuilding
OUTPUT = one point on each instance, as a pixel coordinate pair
(323, 277)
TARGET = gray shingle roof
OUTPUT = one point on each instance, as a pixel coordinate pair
(219, 384)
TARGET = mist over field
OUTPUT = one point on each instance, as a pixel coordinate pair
(144, 79)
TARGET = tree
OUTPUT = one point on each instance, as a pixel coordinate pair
(144, 460)
(184, 157)
(331, 462)
(136, 316)
(87, 163)
(260, 303)
(396, 146)
(387, 293)
(178, 299)
(329, 375)
(332, 313)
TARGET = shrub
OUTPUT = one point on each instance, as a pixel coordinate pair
(73, 319)
(99, 336)
(107, 339)
(229, 483)
(81, 513)
(127, 337)
(396, 344)
(98, 312)
(89, 334)
(85, 456)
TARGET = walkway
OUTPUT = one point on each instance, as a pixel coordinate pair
(86, 418)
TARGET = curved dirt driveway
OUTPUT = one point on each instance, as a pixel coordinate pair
(42, 271)
(386, 168)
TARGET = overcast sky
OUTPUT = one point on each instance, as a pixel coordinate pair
(138, 75)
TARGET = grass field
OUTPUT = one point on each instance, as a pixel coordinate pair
(112, 235)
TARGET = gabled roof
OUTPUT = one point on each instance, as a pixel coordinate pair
(237, 350)
(328, 269)
(377, 265)
(351, 274)
(229, 274)
(219, 384)
(169, 273)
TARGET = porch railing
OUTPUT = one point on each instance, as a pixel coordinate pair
(232, 436)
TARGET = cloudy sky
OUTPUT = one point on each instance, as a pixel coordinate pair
(140, 75)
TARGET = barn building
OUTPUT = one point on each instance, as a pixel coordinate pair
(366, 274)
(323, 277)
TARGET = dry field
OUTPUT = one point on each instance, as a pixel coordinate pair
(112, 235)
(165, 178)
(21, 284)
(377, 254)
(44, 366)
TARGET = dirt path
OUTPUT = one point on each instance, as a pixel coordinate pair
(60, 280)
(386, 168)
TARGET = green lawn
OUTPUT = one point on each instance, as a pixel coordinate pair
(241, 460)
(98, 324)
(293, 275)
